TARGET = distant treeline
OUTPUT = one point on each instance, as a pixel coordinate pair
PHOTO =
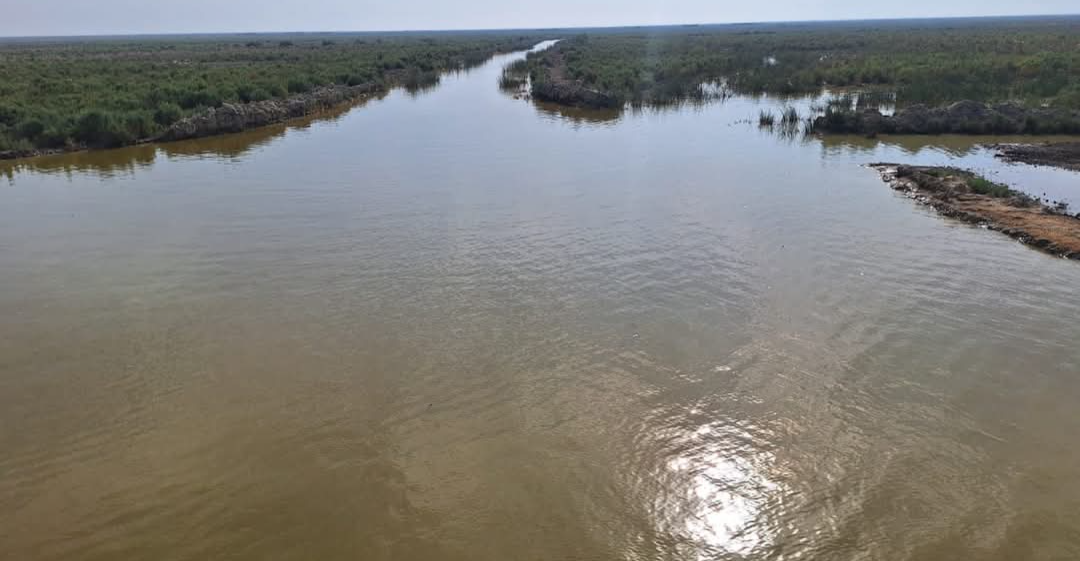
(1033, 61)
(111, 92)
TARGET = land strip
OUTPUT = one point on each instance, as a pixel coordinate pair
(1065, 155)
(968, 197)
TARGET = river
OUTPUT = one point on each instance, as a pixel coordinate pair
(455, 325)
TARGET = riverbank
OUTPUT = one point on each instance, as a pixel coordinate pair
(237, 117)
(968, 197)
(56, 100)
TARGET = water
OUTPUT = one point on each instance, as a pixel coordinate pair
(456, 325)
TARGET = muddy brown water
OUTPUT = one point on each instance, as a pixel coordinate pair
(455, 325)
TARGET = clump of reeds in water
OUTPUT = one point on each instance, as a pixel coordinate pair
(790, 118)
(766, 119)
(515, 76)
(511, 82)
(416, 81)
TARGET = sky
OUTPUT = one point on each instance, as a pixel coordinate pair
(104, 17)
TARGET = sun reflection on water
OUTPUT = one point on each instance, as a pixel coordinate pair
(721, 493)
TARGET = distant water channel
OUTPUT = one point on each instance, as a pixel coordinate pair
(454, 325)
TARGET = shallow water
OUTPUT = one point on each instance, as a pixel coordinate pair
(456, 325)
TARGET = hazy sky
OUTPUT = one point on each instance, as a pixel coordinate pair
(87, 17)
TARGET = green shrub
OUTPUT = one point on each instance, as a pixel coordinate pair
(8, 115)
(52, 138)
(298, 86)
(199, 98)
(99, 129)
(276, 91)
(139, 125)
(248, 93)
(19, 144)
(31, 129)
(984, 186)
(168, 113)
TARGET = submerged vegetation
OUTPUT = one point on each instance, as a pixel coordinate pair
(1034, 61)
(112, 92)
(790, 117)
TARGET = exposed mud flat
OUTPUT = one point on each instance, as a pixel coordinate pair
(955, 193)
(1065, 155)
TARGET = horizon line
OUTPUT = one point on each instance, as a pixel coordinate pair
(513, 29)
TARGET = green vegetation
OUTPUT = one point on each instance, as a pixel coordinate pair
(970, 182)
(111, 92)
(984, 186)
(1032, 60)
(515, 76)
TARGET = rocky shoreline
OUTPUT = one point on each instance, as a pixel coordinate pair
(965, 196)
(962, 117)
(237, 117)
